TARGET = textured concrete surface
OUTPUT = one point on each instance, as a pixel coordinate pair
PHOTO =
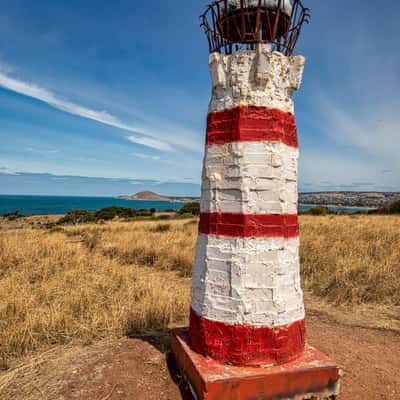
(252, 281)
(250, 169)
(251, 178)
(257, 78)
(247, 302)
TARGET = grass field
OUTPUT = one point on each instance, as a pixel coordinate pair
(85, 283)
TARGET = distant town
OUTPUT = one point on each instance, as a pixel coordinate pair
(349, 199)
(345, 199)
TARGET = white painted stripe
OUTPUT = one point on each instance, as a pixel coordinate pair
(257, 78)
(251, 178)
(248, 281)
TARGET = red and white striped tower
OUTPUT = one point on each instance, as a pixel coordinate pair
(247, 303)
(247, 313)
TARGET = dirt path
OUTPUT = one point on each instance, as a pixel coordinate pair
(138, 369)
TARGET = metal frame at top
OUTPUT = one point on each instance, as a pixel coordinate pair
(230, 29)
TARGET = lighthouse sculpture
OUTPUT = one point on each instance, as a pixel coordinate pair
(246, 338)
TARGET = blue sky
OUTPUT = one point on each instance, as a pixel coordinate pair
(119, 91)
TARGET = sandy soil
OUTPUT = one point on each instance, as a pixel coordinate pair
(141, 368)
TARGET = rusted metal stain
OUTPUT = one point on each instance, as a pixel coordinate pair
(229, 29)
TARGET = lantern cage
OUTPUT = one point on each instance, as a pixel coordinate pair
(232, 25)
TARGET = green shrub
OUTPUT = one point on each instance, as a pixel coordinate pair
(12, 216)
(104, 214)
(143, 213)
(109, 213)
(392, 208)
(319, 210)
(192, 208)
(184, 216)
(77, 217)
(395, 207)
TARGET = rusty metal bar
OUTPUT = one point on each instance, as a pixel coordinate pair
(230, 28)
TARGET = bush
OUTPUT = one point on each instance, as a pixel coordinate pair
(109, 213)
(319, 210)
(392, 208)
(104, 214)
(143, 213)
(192, 208)
(12, 216)
(77, 217)
(395, 207)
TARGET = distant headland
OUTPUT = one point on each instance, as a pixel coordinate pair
(151, 196)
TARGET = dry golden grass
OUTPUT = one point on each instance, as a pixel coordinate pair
(61, 286)
(162, 245)
(352, 259)
(83, 283)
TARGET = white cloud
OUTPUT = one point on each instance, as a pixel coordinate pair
(103, 117)
(325, 169)
(357, 119)
(147, 156)
(370, 130)
(42, 151)
(7, 171)
(149, 142)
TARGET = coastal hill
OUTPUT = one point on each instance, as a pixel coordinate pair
(151, 196)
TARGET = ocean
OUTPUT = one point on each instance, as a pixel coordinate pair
(50, 205)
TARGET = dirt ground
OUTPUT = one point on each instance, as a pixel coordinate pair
(141, 368)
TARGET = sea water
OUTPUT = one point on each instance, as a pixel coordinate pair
(50, 205)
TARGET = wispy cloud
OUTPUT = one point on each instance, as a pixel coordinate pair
(43, 151)
(341, 171)
(357, 119)
(51, 184)
(7, 171)
(39, 93)
(147, 156)
(149, 142)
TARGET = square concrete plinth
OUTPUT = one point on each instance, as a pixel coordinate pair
(312, 376)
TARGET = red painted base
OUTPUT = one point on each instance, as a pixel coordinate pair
(311, 376)
(244, 345)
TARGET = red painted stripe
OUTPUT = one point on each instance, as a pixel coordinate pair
(249, 225)
(251, 124)
(246, 345)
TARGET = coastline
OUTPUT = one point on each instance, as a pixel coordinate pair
(339, 207)
(167, 200)
(58, 205)
(156, 200)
